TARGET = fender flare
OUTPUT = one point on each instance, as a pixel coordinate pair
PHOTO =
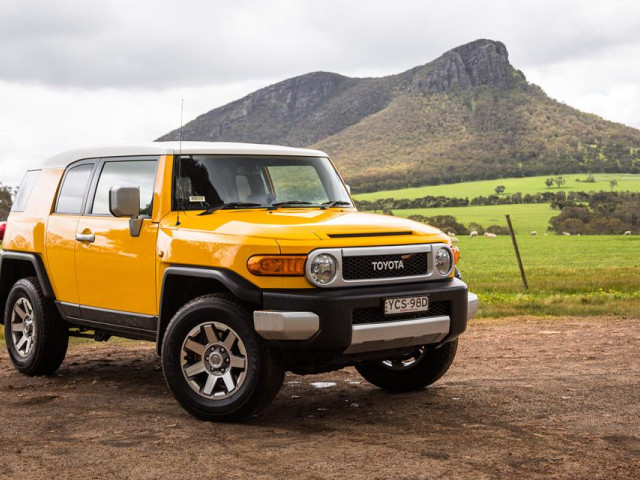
(8, 258)
(237, 285)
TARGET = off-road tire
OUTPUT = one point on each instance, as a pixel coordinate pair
(50, 334)
(427, 370)
(264, 373)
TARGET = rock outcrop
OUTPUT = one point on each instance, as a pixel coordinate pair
(483, 62)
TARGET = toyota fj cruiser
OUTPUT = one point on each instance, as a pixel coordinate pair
(240, 261)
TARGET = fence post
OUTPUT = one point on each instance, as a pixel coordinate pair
(515, 249)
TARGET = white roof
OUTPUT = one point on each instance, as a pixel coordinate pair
(170, 148)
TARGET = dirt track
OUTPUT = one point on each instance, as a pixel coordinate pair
(525, 398)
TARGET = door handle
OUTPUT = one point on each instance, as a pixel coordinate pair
(85, 237)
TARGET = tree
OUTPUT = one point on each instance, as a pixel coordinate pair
(560, 181)
(500, 189)
(549, 182)
(613, 184)
(5, 202)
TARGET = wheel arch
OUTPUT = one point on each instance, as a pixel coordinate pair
(181, 284)
(17, 265)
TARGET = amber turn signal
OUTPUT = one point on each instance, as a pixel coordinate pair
(456, 254)
(277, 265)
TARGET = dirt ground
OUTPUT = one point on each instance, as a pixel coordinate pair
(525, 398)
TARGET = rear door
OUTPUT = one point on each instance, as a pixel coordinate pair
(61, 229)
(115, 271)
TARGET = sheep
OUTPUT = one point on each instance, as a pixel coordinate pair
(473, 234)
(627, 233)
(534, 233)
(490, 235)
(452, 234)
(454, 240)
(567, 234)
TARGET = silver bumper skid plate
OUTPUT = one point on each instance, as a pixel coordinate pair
(284, 325)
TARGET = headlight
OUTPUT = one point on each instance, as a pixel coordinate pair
(323, 269)
(443, 261)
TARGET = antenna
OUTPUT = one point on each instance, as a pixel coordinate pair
(180, 161)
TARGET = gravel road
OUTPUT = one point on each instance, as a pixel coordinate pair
(525, 398)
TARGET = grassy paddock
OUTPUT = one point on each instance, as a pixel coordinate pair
(525, 217)
(587, 275)
(626, 181)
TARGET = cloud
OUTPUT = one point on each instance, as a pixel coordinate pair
(154, 44)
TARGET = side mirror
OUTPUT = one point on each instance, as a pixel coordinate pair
(125, 202)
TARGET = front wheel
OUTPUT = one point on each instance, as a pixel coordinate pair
(215, 363)
(413, 372)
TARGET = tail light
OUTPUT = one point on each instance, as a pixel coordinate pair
(3, 227)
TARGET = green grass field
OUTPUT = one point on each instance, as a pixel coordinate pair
(531, 185)
(525, 217)
(586, 275)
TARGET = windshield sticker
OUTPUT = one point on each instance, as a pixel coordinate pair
(196, 199)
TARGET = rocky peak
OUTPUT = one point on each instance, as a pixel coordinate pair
(482, 62)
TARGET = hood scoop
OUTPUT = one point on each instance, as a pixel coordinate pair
(370, 234)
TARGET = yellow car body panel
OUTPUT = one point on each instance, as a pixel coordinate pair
(125, 264)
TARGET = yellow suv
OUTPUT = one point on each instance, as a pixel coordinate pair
(240, 261)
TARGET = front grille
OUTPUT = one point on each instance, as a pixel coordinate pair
(362, 267)
(376, 314)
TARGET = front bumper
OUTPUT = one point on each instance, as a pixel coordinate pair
(323, 319)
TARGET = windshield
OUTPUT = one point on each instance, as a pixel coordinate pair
(203, 182)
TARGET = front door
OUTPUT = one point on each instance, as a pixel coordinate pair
(115, 271)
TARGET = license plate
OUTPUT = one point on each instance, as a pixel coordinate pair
(406, 305)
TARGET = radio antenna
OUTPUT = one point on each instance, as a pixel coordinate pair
(180, 162)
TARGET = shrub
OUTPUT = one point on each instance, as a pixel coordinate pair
(497, 229)
(446, 223)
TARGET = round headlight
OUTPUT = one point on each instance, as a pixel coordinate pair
(323, 269)
(443, 261)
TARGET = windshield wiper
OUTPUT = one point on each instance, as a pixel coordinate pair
(335, 203)
(229, 205)
(292, 203)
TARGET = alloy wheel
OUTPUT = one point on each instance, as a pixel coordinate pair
(23, 327)
(214, 360)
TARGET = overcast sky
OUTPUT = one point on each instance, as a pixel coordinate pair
(79, 72)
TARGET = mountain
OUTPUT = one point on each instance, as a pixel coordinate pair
(467, 115)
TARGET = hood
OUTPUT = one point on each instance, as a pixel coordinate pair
(311, 224)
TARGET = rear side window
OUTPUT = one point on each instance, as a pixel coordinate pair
(73, 189)
(134, 173)
(24, 192)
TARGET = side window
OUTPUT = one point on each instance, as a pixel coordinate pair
(73, 189)
(24, 192)
(134, 173)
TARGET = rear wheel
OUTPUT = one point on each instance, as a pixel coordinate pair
(37, 337)
(215, 363)
(413, 372)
